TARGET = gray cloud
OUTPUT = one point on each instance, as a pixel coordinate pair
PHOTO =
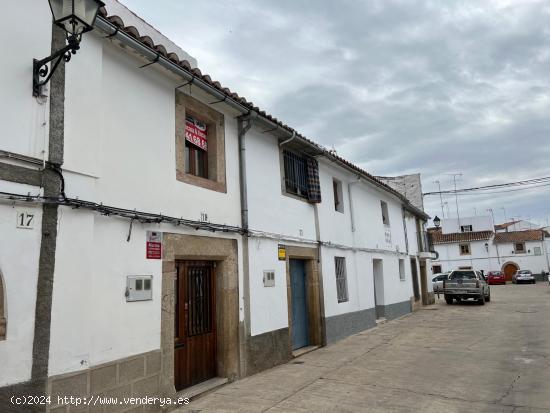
(395, 86)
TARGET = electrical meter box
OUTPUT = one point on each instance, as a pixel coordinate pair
(139, 288)
(269, 278)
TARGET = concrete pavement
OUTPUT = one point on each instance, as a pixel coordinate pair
(443, 358)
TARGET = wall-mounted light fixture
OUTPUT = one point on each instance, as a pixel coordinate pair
(75, 17)
(437, 221)
(487, 246)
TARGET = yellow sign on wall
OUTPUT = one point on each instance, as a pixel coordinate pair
(281, 252)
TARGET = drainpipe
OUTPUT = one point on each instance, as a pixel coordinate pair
(244, 124)
(289, 139)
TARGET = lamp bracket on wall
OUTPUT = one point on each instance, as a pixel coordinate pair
(40, 67)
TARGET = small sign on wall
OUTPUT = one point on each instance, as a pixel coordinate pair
(25, 219)
(281, 252)
(154, 245)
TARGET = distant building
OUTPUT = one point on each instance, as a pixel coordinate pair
(476, 243)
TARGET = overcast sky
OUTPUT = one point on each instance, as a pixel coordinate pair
(436, 87)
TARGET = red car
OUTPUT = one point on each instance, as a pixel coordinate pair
(495, 277)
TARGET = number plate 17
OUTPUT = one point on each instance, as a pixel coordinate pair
(25, 219)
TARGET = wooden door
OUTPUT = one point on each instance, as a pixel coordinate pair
(299, 304)
(195, 323)
(509, 270)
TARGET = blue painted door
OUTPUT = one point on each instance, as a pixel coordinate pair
(299, 304)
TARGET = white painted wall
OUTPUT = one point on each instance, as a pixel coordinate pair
(120, 150)
(273, 212)
(23, 119)
(19, 254)
(478, 223)
(268, 304)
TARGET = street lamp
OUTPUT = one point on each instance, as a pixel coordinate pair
(437, 221)
(75, 17)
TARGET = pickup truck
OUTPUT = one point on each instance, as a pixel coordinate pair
(464, 284)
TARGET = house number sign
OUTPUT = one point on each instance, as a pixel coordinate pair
(25, 219)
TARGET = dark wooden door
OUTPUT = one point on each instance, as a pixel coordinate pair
(195, 323)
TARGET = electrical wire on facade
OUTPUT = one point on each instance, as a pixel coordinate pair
(150, 218)
(134, 215)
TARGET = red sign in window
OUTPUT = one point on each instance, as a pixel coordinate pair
(195, 132)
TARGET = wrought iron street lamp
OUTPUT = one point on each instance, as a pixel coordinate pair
(75, 17)
(437, 221)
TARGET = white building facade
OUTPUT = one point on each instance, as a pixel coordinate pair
(157, 236)
(476, 243)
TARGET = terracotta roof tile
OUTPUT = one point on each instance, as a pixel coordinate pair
(440, 238)
(520, 236)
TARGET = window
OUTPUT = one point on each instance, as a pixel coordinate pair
(519, 248)
(537, 251)
(465, 249)
(385, 215)
(338, 198)
(196, 147)
(200, 144)
(465, 228)
(402, 269)
(2, 310)
(301, 176)
(295, 174)
(341, 279)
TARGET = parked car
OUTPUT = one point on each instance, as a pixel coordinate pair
(495, 277)
(465, 284)
(523, 276)
(437, 281)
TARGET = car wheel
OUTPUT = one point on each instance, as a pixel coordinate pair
(488, 298)
(481, 300)
(448, 300)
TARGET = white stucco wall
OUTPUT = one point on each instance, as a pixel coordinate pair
(478, 223)
(19, 255)
(120, 150)
(23, 119)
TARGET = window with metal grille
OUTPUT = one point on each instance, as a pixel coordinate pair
(341, 279)
(199, 295)
(295, 173)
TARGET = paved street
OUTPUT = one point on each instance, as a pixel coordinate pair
(459, 358)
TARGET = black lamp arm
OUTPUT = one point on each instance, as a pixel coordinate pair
(40, 68)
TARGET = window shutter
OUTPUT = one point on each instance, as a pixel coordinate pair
(313, 185)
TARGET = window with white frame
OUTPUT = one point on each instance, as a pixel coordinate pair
(402, 269)
(385, 214)
(341, 279)
(465, 228)
(537, 251)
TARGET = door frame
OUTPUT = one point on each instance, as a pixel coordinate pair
(223, 251)
(314, 291)
(212, 265)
